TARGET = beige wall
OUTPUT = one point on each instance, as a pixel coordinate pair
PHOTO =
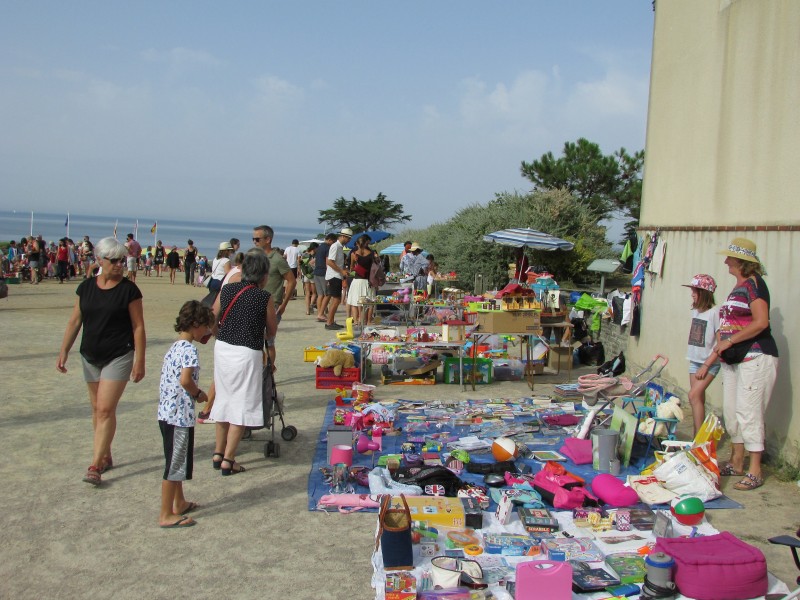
(723, 142)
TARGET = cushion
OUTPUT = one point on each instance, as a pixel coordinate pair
(716, 567)
(611, 490)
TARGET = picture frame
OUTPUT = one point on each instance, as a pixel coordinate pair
(625, 423)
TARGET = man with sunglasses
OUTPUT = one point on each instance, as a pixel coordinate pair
(280, 281)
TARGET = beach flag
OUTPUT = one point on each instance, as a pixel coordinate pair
(66, 223)
(115, 228)
(154, 227)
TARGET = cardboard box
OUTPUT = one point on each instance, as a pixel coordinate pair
(509, 321)
(436, 511)
(473, 513)
(559, 357)
(400, 585)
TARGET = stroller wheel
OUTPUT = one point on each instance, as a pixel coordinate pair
(276, 451)
(289, 432)
(269, 449)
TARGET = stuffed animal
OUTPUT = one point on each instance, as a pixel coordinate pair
(337, 359)
(668, 409)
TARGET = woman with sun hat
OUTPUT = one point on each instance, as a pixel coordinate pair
(749, 361)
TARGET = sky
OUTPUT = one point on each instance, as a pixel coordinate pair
(265, 110)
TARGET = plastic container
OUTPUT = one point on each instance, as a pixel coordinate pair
(483, 371)
(326, 380)
(507, 369)
(312, 353)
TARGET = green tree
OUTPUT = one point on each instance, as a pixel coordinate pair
(606, 183)
(364, 215)
(458, 243)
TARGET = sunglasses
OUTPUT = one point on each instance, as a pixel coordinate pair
(257, 239)
(113, 261)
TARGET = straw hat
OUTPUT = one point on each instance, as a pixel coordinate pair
(741, 248)
(346, 231)
(702, 282)
(225, 246)
(414, 246)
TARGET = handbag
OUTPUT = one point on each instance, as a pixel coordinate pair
(736, 353)
(394, 535)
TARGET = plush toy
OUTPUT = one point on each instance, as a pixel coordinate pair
(336, 359)
(668, 409)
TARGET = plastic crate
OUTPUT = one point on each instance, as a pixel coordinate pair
(507, 369)
(311, 353)
(326, 380)
(483, 374)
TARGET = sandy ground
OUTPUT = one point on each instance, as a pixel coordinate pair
(64, 539)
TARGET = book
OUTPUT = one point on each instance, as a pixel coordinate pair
(564, 549)
(537, 520)
(628, 566)
(643, 519)
(545, 455)
(590, 580)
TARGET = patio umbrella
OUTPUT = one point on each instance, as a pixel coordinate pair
(375, 236)
(519, 237)
(393, 250)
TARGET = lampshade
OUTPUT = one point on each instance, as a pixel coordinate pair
(342, 454)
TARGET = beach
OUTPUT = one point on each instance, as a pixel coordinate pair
(255, 536)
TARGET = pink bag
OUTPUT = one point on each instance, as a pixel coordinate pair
(562, 491)
(343, 501)
(716, 567)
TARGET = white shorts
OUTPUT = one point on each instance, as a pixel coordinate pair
(132, 263)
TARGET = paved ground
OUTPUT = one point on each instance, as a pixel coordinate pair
(64, 539)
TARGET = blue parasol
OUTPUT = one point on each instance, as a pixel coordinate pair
(526, 237)
(375, 236)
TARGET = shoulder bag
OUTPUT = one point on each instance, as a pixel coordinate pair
(394, 534)
(235, 298)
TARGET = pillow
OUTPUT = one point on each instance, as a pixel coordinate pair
(611, 490)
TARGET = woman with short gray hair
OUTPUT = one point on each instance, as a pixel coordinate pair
(246, 316)
(109, 309)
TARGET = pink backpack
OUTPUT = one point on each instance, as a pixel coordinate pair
(562, 490)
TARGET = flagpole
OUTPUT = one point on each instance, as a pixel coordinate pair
(115, 228)
(67, 225)
(136, 230)
(155, 234)
(31, 223)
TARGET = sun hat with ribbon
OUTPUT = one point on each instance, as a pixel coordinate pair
(702, 282)
(741, 248)
(346, 231)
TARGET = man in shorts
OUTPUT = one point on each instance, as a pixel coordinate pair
(336, 276)
(320, 268)
(86, 256)
(134, 252)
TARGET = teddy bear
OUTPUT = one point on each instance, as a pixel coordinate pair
(669, 408)
(337, 359)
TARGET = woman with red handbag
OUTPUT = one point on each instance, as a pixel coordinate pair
(246, 314)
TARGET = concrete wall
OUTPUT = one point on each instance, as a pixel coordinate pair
(723, 139)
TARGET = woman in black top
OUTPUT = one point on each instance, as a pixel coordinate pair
(246, 315)
(173, 262)
(158, 257)
(190, 262)
(109, 309)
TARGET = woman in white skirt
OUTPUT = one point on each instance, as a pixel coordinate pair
(246, 315)
(360, 264)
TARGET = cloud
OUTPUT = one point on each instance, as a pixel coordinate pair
(180, 58)
(275, 95)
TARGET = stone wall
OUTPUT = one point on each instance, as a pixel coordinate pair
(614, 338)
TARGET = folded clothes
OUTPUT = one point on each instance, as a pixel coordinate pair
(561, 420)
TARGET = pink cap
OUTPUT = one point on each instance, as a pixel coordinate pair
(703, 282)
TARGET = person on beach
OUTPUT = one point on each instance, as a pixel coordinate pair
(703, 363)
(749, 361)
(158, 257)
(245, 312)
(306, 266)
(190, 262)
(361, 260)
(33, 260)
(320, 268)
(178, 391)
(86, 256)
(173, 262)
(148, 261)
(336, 276)
(109, 310)
(134, 252)
(62, 260)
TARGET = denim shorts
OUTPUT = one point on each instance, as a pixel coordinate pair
(694, 367)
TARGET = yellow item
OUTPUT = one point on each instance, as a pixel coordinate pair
(347, 334)
(710, 429)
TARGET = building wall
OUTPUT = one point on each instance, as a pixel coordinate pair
(723, 139)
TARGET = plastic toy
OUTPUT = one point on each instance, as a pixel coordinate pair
(688, 510)
(504, 448)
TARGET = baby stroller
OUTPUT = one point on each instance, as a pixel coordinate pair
(603, 390)
(272, 405)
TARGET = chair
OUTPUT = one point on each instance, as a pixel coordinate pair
(646, 408)
(793, 542)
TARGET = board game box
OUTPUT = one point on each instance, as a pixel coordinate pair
(537, 520)
(628, 566)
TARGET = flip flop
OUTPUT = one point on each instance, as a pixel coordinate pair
(180, 523)
(750, 482)
(189, 508)
(728, 471)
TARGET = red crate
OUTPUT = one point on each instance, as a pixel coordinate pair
(326, 380)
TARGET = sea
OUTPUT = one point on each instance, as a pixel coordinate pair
(206, 236)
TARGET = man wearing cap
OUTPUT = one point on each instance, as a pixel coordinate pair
(320, 268)
(336, 276)
(134, 252)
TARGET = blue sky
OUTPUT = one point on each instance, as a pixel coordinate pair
(271, 110)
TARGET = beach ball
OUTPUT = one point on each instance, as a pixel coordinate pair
(504, 448)
(688, 510)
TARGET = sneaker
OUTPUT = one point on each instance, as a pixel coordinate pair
(334, 326)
